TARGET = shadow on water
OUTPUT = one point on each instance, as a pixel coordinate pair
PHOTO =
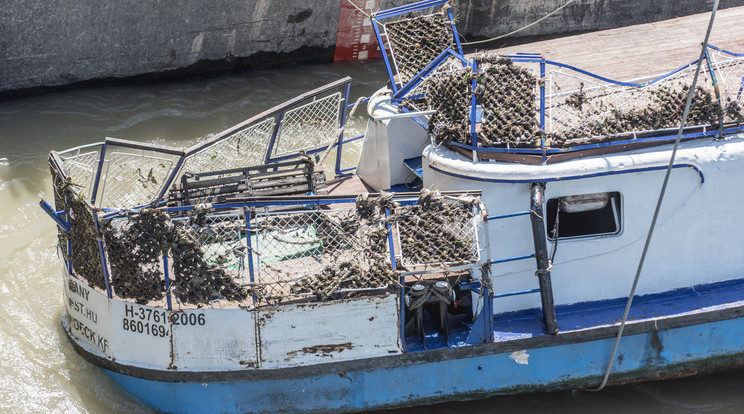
(40, 372)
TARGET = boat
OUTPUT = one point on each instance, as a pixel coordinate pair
(512, 225)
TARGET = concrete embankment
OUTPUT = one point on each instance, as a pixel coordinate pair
(47, 45)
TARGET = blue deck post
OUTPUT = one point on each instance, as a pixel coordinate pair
(473, 110)
(249, 254)
(101, 159)
(339, 149)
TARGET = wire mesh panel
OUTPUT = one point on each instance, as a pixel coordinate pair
(319, 253)
(309, 126)
(133, 179)
(244, 148)
(416, 41)
(208, 255)
(729, 71)
(134, 247)
(437, 232)
(81, 164)
(416, 98)
(583, 107)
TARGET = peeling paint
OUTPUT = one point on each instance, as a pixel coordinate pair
(520, 357)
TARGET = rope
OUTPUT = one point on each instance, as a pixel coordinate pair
(658, 204)
(357, 7)
(521, 28)
(340, 130)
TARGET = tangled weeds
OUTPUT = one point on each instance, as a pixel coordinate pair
(434, 232)
(136, 247)
(664, 109)
(417, 41)
(84, 253)
(506, 94)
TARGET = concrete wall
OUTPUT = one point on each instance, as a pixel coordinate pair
(51, 44)
(490, 18)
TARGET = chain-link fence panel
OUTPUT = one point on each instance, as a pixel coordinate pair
(133, 179)
(312, 125)
(319, 253)
(507, 94)
(244, 148)
(583, 110)
(208, 257)
(135, 245)
(416, 41)
(81, 164)
(85, 256)
(729, 71)
(436, 232)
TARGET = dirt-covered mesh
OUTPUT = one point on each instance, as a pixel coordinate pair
(417, 41)
(450, 95)
(85, 256)
(506, 93)
(61, 186)
(435, 233)
(200, 274)
(135, 247)
(663, 108)
(506, 97)
(320, 253)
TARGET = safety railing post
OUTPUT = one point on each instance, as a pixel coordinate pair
(473, 113)
(102, 253)
(249, 253)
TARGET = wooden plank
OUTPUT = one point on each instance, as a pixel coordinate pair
(634, 51)
(295, 189)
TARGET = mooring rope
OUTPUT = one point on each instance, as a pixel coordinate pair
(521, 28)
(658, 204)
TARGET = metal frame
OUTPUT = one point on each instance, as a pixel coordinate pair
(543, 63)
(398, 11)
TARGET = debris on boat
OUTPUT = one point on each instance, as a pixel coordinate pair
(416, 41)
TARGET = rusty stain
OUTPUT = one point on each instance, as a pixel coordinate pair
(343, 375)
(172, 364)
(321, 350)
(247, 364)
(327, 349)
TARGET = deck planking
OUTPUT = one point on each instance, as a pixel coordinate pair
(641, 50)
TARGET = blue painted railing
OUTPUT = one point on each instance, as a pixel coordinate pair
(400, 93)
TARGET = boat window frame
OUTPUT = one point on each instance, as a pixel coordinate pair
(616, 207)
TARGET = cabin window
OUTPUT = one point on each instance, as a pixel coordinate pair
(584, 215)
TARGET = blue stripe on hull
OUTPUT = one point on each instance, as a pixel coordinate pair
(643, 356)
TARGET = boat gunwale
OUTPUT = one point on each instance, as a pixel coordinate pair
(731, 310)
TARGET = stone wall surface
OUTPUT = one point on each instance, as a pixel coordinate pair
(45, 44)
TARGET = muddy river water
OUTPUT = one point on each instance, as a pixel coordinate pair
(39, 370)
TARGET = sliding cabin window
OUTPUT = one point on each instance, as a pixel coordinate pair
(584, 215)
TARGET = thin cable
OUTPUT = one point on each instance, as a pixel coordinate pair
(658, 204)
(357, 7)
(521, 28)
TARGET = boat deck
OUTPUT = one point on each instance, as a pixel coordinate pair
(581, 316)
(694, 304)
(653, 48)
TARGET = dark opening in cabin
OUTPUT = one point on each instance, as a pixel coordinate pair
(584, 215)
